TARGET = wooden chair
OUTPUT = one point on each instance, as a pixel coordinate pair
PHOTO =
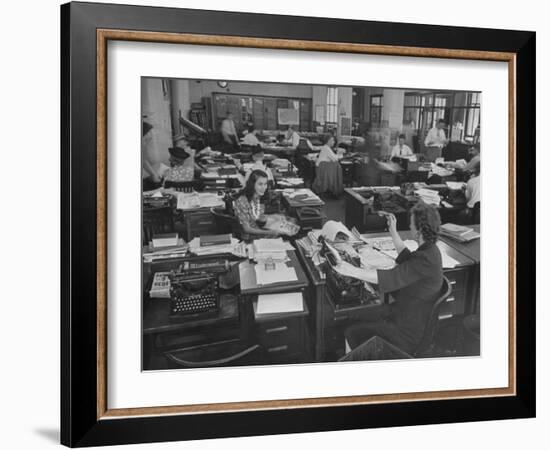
(381, 349)
(226, 353)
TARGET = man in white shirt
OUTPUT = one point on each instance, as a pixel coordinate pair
(292, 137)
(250, 137)
(228, 130)
(436, 136)
(401, 149)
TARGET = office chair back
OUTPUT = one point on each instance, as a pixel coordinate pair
(427, 341)
(226, 223)
(229, 353)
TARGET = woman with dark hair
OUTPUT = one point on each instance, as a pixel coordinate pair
(414, 283)
(328, 173)
(249, 208)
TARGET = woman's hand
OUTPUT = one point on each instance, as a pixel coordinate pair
(392, 223)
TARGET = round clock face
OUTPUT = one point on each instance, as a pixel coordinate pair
(222, 84)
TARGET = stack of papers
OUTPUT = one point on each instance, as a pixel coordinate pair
(281, 274)
(334, 231)
(291, 181)
(263, 249)
(198, 200)
(459, 232)
(375, 259)
(195, 247)
(165, 240)
(280, 303)
(428, 196)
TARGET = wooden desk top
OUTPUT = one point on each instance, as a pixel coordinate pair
(462, 259)
(248, 278)
(470, 249)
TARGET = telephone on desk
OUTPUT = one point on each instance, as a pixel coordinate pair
(344, 290)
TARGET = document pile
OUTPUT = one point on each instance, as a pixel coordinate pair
(165, 247)
(198, 200)
(279, 273)
(455, 185)
(459, 232)
(310, 243)
(428, 196)
(290, 182)
(302, 195)
(270, 249)
(441, 171)
(196, 248)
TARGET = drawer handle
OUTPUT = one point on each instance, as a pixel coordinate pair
(445, 316)
(276, 330)
(450, 299)
(452, 282)
(281, 348)
(205, 223)
(337, 318)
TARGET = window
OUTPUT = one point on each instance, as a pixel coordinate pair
(376, 110)
(332, 105)
(459, 110)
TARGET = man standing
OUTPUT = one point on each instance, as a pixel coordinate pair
(436, 136)
(228, 130)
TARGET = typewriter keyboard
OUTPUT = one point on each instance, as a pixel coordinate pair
(194, 304)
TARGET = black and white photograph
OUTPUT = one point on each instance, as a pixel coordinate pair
(305, 223)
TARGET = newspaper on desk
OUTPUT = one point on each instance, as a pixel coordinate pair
(192, 200)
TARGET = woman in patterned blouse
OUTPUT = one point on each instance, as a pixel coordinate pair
(249, 208)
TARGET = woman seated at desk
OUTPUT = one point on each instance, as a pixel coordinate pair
(329, 172)
(182, 163)
(250, 209)
(415, 284)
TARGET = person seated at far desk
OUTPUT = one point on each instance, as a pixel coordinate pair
(182, 162)
(250, 138)
(472, 192)
(258, 159)
(329, 176)
(291, 137)
(414, 283)
(250, 208)
(401, 149)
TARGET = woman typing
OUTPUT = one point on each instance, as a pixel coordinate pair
(414, 283)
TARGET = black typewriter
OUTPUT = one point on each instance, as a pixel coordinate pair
(345, 291)
(193, 295)
(150, 202)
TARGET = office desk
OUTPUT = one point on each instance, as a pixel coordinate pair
(299, 208)
(327, 321)
(460, 276)
(284, 336)
(362, 214)
(472, 251)
(249, 286)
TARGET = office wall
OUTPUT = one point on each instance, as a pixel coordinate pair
(197, 90)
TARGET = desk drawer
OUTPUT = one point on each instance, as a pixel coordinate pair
(457, 278)
(453, 306)
(287, 333)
